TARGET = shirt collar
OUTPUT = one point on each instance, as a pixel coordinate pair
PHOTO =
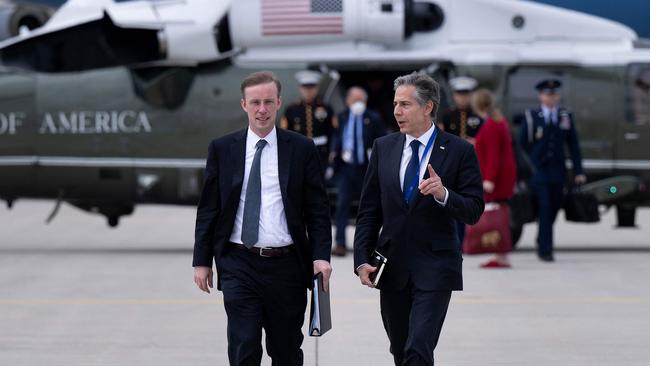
(425, 136)
(252, 138)
(546, 110)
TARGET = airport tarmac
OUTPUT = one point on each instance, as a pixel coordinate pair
(76, 292)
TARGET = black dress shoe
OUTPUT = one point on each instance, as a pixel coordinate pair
(339, 251)
(546, 258)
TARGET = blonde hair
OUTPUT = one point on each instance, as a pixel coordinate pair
(483, 101)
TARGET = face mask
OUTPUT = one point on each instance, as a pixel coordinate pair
(358, 107)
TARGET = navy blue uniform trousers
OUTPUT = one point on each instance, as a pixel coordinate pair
(348, 185)
(549, 200)
(260, 292)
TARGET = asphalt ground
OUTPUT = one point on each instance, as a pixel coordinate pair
(76, 292)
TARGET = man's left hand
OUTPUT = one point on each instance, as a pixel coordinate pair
(433, 185)
(580, 179)
(324, 267)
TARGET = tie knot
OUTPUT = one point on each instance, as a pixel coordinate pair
(415, 146)
(260, 144)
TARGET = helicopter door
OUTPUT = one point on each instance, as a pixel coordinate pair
(595, 113)
(591, 110)
(441, 75)
(379, 86)
(634, 133)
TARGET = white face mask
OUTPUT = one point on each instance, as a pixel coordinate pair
(358, 107)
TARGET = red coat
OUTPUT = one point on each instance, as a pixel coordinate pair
(496, 159)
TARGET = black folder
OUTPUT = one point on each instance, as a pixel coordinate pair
(320, 315)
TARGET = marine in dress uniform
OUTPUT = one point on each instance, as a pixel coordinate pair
(460, 119)
(310, 116)
(544, 134)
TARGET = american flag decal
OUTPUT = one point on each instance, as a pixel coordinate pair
(301, 17)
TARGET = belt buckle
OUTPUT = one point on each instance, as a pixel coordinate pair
(262, 253)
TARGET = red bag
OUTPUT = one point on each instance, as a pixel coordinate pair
(491, 234)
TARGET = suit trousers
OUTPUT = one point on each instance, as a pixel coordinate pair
(261, 292)
(413, 320)
(549, 201)
(460, 231)
(348, 186)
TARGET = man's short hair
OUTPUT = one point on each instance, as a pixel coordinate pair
(258, 78)
(362, 90)
(426, 89)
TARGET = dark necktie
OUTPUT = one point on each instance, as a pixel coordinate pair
(554, 116)
(251, 222)
(355, 142)
(411, 170)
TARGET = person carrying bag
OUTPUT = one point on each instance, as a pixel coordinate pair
(491, 234)
(498, 168)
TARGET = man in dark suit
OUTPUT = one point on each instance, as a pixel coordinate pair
(264, 218)
(419, 182)
(544, 134)
(359, 127)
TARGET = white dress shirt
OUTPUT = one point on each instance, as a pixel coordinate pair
(273, 221)
(406, 157)
(550, 114)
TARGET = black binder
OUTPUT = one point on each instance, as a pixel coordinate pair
(320, 315)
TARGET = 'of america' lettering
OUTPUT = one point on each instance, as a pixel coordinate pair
(97, 122)
(11, 122)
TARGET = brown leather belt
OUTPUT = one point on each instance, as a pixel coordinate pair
(266, 252)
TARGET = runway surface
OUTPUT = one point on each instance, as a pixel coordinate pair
(76, 292)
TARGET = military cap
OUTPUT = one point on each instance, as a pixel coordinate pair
(548, 86)
(462, 84)
(308, 77)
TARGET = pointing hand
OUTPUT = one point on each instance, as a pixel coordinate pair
(433, 185)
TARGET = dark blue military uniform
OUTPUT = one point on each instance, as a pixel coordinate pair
(544, 141)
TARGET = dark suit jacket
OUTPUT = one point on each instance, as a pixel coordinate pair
(373, 128)
(303, 195)
(419, 239)
(545, 145)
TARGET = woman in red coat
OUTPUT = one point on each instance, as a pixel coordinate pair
(496, 159)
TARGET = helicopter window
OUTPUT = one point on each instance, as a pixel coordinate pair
(638, 94)
(222, 31)
(163, 87)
